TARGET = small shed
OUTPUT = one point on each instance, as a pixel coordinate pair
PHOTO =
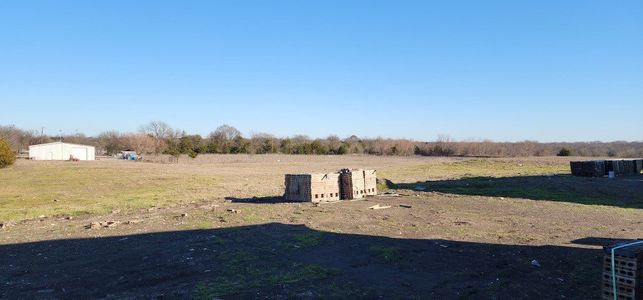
(61, 151)
(312, 187)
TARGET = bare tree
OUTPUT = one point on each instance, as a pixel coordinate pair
(262, 143)
(225, 133)
(224, 137)
(16, 138)
(161, 132)
(110, 142)
(139, 142)
(158, 130)
(333, 142)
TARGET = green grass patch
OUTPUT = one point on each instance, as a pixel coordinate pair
(470, 168)
(246, 279)
(535, 188)
(30, 190)
(310, 239)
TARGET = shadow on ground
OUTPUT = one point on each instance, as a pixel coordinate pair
(279, 261)
(622, 192)
(270, 199)
(598, 241)
(262, 200)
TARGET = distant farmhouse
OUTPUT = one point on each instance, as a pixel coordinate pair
(61, 151)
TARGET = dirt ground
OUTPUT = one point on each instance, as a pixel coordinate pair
(215, 227)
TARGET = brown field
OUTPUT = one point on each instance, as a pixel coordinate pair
(215, 227)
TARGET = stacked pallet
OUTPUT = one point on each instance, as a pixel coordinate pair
(314, 188)
(628, 271)
(594, 168)
(577, 168)
(590, 168)
(615, 166)
(600, 168)
(370, 182)
(629, 167)
(624, 167)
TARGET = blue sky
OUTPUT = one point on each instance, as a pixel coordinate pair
(501, 70)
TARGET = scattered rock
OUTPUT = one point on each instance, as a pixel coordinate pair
(42, 217)
(184, 215)
(104, 224)
(234, 211)
(109, 224)
(378, 206)
(116, 211)
(92, 225)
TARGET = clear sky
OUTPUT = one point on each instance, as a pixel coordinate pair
(502, 70)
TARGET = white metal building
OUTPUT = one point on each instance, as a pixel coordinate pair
(61, 151)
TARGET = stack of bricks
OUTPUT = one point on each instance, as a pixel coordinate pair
(345, 185)
(351, 184)
(370, 182)
(628, 268)
(312, 187)
(600, 168)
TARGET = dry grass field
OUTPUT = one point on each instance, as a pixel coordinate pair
(215, 227)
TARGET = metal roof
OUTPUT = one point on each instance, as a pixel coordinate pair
(53, 143)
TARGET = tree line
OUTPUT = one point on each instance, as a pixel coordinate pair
(158, 137)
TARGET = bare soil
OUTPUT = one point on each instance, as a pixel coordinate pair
(462, 237)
